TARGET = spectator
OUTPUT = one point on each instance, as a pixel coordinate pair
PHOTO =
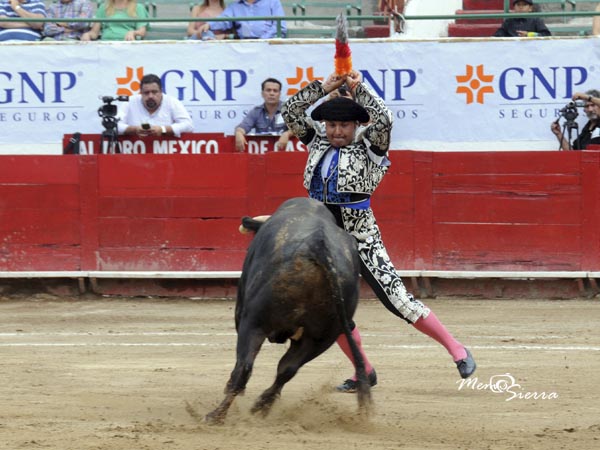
(522, 26)
(244, 29)
(592, 111)
(153, 113)
(208, 9)
(265, 118)
(68, 9)
(118, 31)
(596, 23)
(25, 9)
(392, 8)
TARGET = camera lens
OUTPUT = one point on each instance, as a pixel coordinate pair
(109, 110)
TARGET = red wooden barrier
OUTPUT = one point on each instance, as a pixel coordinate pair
(516, 211)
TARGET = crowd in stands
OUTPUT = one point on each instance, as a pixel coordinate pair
(123, 30)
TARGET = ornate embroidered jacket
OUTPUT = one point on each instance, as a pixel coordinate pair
(363, 163)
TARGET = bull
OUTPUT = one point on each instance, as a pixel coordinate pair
(300, 282)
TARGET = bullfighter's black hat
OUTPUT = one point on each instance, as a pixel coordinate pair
(342, 109)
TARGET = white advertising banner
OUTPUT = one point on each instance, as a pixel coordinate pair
(495, 94)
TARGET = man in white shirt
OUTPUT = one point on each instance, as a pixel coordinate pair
(152, 113)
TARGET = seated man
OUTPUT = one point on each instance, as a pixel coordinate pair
(152, 113)
(245, 29)
(522, 26)
(265, 118)
(24, 9)
(68, 9)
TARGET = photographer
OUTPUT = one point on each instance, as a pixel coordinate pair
(592, 111)
(152, 113)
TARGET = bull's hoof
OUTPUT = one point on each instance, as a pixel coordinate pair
(350, 386)
(215, 418)
(261, 410)
(263, 405)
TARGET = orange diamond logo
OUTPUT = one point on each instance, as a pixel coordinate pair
(301, 80)
(130, 83)
(475, 84)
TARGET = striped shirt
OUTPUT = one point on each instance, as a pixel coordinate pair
(21, 34)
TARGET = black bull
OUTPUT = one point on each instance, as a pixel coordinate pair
(299, 282)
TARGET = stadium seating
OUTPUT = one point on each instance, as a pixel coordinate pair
(487, 27)
(385, 9)
(477, 27)
(301, 8)
(320, 29)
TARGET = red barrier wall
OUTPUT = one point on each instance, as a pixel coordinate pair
(438, 211)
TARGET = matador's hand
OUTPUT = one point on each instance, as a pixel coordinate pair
(333, 82)
(352, 80)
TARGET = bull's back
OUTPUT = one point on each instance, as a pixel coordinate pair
(297, 265)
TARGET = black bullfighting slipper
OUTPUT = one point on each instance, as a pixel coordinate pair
(349, 386)
(466, 366)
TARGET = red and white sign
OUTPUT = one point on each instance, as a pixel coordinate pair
(187, 144)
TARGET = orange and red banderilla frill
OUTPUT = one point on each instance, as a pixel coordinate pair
(343, 55)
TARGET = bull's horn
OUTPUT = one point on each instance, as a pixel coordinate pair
(252, 224)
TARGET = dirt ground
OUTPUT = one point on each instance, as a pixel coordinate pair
(140, 374)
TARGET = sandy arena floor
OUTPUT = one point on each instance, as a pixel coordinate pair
(139, 374)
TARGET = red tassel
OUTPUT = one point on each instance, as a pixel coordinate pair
(343, 58)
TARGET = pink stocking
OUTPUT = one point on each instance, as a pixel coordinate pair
(432, 327)
(345, 346)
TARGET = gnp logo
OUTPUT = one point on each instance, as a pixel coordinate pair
(299, 81)
(389, 84)
(520, 84)
(474, 84)
(36, 88)
(130, 83)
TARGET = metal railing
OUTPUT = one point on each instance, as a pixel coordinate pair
(188, 19)
(503, 15)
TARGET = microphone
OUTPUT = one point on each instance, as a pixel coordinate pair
(72, 148)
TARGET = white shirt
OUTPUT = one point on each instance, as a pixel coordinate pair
(170, 112)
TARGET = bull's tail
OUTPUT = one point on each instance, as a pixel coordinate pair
(363, 386)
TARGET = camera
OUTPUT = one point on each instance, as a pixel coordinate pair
(108, 111)
(569, 112)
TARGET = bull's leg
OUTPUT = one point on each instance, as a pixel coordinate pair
(299, 353)
(248, 346)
